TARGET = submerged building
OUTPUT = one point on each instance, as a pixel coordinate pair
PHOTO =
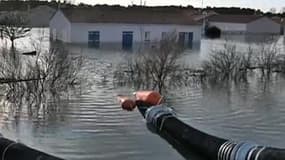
(125, 26)
(245, 24)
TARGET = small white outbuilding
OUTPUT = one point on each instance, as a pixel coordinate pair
(245, 24)
(123, 25)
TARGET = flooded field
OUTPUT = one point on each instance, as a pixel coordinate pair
(89, 124)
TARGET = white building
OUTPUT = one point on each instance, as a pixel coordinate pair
(244, 24)
(124, 26)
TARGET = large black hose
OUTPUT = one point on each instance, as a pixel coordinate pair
(10, 150)
(164, 122)
(195, 140)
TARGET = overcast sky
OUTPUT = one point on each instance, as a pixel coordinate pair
(264, 5)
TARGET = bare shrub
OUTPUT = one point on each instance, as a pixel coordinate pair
(281, 62)
(266, 57)
(38, 78)
(10, 66)
(154, 69)
(11, 69)
(227, 63)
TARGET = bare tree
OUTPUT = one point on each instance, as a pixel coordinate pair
(37, 78)
(154, 68)
(227, 63)
(267, 57)
(14, 25)
(231, 64)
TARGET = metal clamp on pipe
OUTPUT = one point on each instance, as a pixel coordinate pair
(242, 150)
(225, 150)
(154, 113)
(236, 151)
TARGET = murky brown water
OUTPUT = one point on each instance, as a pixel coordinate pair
(91, 125)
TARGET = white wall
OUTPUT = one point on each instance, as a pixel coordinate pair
(112, 32)
(230, 27)
(264, 25)
(60, 27)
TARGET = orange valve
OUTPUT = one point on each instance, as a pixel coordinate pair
(149, 97)
(127, 103)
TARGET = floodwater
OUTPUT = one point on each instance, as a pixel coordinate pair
(91, 125)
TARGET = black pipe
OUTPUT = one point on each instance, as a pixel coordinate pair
(268, 153)
(194, 139)
(180, 148)
(164, 122)
(10, 150)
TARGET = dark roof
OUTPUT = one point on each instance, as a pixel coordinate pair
(40, 16)
(134, 15)
(234, 18)
(279, 20)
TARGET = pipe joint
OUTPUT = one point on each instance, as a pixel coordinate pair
(241, 150)
(236, 151)
(154, 113)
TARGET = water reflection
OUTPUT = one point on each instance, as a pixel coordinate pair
(89, 124)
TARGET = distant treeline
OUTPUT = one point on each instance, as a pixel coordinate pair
(235, 10)
(242, 11)
(8, 5)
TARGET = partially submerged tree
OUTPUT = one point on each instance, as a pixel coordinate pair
(232, 64)
(267, 58)
(14, 25)
(227, 63)
(35, 79)
(156, 68)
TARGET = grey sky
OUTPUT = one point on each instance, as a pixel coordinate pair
(260, 4)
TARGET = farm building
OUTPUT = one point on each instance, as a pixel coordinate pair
(123, 26)
(245, 24)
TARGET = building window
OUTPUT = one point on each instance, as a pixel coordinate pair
(94, 39)
(163, 35)
(127, 40)
(185, 39)
(147, 36)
